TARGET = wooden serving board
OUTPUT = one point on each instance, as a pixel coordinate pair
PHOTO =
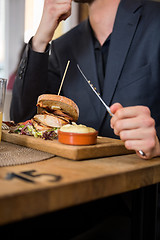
(104, 147)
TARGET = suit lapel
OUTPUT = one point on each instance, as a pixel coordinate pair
(123, 32)
(86, 57)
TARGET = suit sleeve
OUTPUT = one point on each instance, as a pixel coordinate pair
(34, 77)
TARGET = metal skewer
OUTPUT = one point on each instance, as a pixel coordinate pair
(105, 105)
(141, 153)
(108, 109)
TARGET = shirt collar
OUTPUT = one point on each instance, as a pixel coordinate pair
(96, 43)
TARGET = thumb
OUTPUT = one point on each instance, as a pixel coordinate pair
(115, 107)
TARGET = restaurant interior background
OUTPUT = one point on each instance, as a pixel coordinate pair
(19, 20)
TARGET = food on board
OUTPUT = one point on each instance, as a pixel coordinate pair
(53, 111)
(56, 117)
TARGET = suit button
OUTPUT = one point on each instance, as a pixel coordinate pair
(23, 63)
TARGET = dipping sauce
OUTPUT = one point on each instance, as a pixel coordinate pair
(74, 134)
(75, 128)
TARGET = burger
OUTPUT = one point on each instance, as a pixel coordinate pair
(53, 112)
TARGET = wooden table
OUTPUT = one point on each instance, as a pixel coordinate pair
(37, 188)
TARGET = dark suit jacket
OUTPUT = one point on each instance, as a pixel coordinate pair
(132, 71)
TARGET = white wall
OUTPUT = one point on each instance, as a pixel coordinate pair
(14, 36)
(14, 32)
(72, 21)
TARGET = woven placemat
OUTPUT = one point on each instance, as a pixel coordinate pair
(12, 154)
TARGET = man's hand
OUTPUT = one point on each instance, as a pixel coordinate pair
(54, 11)
(136, 127)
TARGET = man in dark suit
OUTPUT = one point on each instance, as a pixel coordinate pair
(118, 49)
